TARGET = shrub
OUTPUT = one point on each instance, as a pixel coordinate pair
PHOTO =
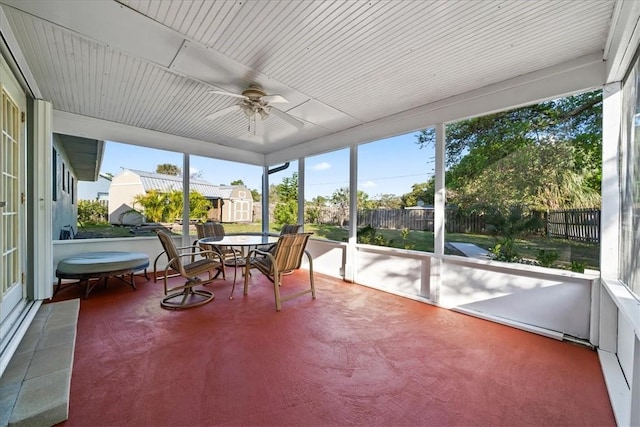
(369, 236)
(577, 266)
(546, 258)
(405, 236)
(167, 207)
(92, 212)
(505, 250)
(286, 213)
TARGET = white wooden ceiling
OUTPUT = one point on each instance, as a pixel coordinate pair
(342, 65)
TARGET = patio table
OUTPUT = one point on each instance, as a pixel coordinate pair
(243, 241)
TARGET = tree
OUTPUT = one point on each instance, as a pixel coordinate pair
(168, 207)
(542, 177)
(168, 169)
(388, 201)
(92, 212)
(364, 202)
(256, 195)
(314, 208)
(485, 156)
(340, 200)
(286, 207)
(424, 192)
(154, 204)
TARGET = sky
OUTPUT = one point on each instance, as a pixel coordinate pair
(389, 166)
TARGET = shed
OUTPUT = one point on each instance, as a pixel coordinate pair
(229, 203)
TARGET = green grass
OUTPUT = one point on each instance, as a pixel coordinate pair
(91, 231)
(527, 248)
(417, 240)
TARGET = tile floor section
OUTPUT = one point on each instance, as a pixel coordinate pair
(34, 389)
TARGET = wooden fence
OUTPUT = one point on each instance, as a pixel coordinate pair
(413, 219)
(573, 224)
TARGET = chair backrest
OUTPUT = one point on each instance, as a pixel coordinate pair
(170, 248)
(289, 250)
(291, 229)
(209, 229)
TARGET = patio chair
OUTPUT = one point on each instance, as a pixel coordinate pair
(228, 254)
(285, 256)
(291, 229)
(286, 229)
(186, 296)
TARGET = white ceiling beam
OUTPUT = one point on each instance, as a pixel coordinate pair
(577, 75)
(89, 127)
(622, 40)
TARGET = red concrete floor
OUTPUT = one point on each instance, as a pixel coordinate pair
(353, 356)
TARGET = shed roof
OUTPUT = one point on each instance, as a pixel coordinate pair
(165, 183)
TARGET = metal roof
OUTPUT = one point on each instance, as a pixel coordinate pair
(166, 183)
(140, 71)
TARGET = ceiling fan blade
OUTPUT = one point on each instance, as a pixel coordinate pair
(274, 99)
(222, 112)
(219, 92)
(287, 118)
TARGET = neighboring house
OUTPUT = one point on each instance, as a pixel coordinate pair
(229, 203)
(95, 190)
(74, 159)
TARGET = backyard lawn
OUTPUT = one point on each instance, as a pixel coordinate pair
(568, 251)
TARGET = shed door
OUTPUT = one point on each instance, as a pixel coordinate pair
(241, 211)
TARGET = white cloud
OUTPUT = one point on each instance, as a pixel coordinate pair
(321, 166)
(369, 184)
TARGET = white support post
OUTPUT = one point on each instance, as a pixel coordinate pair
(350, 273)
(186, 239)
(265, 199)
(438, 216)
(609, 210)
(42, 200)
(604, 329)
(440, 197)
(301, 191)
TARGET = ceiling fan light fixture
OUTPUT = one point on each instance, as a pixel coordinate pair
(248, 111)
(256, 106)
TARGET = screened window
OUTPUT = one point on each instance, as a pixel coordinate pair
(523, 185)
(326, 204)
(630, 184)
(396, 192)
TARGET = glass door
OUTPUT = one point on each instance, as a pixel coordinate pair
(12, 207)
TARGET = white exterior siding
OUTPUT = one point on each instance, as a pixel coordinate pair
(124, 188)
(65, 208)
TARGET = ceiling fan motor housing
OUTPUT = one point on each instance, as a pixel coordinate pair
(253, 92)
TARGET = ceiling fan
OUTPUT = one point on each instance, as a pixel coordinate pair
(256, 106)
